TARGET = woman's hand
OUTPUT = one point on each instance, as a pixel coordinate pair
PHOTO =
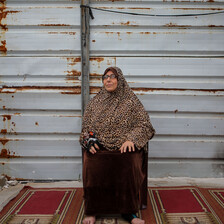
(93, 149)
(128, 145)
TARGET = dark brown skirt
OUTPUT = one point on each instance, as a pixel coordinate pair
(114, 182)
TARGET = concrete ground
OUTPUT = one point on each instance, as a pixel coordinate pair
(6, 194)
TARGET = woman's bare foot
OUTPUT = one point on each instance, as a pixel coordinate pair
(89, 220)
(137, 221)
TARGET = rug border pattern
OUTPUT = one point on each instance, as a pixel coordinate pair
(160, 218)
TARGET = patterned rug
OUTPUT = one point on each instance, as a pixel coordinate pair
(175, 205)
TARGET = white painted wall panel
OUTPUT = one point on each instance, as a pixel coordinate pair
(40, 123)
(43, 168)
(43, 43)
(165, 124)
(42, 15)
(42, 145)
(162, 43)
(67, 145)
(160, 8)
(196, 168)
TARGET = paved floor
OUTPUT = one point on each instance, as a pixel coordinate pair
(6, 194)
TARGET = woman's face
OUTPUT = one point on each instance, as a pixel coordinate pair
(109, 83)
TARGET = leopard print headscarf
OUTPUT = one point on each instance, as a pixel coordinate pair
(118, 116)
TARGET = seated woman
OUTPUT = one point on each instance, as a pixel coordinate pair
(115, 132)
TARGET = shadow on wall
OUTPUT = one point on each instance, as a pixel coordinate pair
(218, 168)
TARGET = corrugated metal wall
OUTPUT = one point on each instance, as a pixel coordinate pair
(174, 65)
(41, 96)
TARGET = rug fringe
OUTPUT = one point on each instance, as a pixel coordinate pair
(212, 218)
(55, 219)
(9, 218)
(164, 218)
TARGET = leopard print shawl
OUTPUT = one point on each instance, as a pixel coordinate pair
(118, 116)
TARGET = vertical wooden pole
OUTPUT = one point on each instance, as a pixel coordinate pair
(85, 32)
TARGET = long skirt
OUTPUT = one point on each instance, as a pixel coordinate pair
(114, 182)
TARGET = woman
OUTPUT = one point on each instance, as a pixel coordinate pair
(115, 132)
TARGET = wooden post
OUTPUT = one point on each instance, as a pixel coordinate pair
(85, 32)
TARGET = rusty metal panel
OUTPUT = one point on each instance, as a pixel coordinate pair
(175, 66)
(32, 28)
(40, 101)
(160, 36)
(114, 20)
(162, 43)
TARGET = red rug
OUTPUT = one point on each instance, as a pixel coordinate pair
(43, 205)
(175, 205)
(185, 205)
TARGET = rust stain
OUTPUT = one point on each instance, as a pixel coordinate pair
(95, 89)
(119, 35)
(95, 74)
(72, 90)
(64, 32)
(127, 23)
(36, 123)
(63, 90)
(53, 32)
(4, 131)
(3, 48)
(53, 25)
(217, 9)
(70, 33)
(9, 178)
(93, 41)
(6, 117)
(139, 8)
(7, 154)
(73, 75)
(17, 113)
(94, 78)
(98, 59)
(72, 78)
(176, 89)
(109, 32)
(176, 111)
(73, 61)
(3, 107)
(4, 13)
(3, 164)
(145, 32)
(215, 26)
(4, 140)
(175, 25)
(6, 176)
